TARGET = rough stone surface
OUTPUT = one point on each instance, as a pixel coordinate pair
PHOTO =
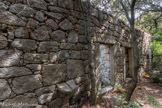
(75, 68)
(23, 10)
(58, 36)
(39, 4)
(32, 23)
(4, 89)
(21, 102)
(26, 83)
(57, 16)
(13, 72)
(52, 74)
(73, 37)
(48, 46)
(66, 4)
(34, 67)
(9, 57)
(3, 42)
(57, 103)
(24, 44)
(21, 33)
(66, 25)
(44, 90)
(40, 34)
(40, 16)
(35, 58)
(11, 19)
(52, 24)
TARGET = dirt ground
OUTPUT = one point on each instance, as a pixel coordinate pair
(144, 90)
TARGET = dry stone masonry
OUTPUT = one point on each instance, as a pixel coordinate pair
(44, 52)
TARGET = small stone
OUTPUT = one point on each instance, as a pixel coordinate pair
(41, 106)
(26, 83)
(5, 90)
(40, 16)
(21, 33)
(39, 4)
(58, 9)
(83, 39)
(3, 6)
(73, 37)
(23, 10)
(9, 57)
(34, 67)
(24, 44)
(68, 46)
(66, 25)
(66, 4)
(48, 46)
(57, 16)
(8, 18)
(40, 34)
(52, 24)
(44, 90)
(53, 74)
(13, 72)
(75, 54)
(45, 98)
(75, 68)
(35, 58)
(52, 2)
(32, 24)
(58, 36)
(11, 35)
(3, 42)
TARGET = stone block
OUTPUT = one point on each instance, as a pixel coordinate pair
(48, 46)
(75, 68)
(66, 25)
(3, 42)
(53, 74)
(58, 36)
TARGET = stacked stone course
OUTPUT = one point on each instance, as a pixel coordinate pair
(44, 51)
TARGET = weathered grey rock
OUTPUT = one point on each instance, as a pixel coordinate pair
(52, 2)
(84, 55)
(26, 83)
(9, 57)
(66, 25)
(75, 54)
(13, 72)
(75, 68)
(39, 4)
(57, 103)
(40, 16)
(83, 39)
(73, 37)
(44, 90)
(72, 19)
(81, 79)
(3, 6)
(34, 67)
(58, 36)
(3, 42)
(21, 33)
(35, 58)
(40, 34)
(11, 35)
(57, 16)
(68, 46)
(48, 46)
(57, 9)
(80, 29)
(5, 90)
(22, 10)
(24, 44)
(67, 88)
(52, 74)
(45, 98)
(59, 57)
(66, 4)
(32, 24)
(8, 18)
(20, 101)
(52, 24)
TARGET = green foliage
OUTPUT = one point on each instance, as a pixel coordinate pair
(156, 47)
(154, 102)
(157, 77)
(119, 88)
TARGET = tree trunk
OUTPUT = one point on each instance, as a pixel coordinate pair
(93, 97)
(136, 62)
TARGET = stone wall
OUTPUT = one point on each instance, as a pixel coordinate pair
(44, 52)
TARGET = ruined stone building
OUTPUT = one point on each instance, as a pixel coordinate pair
(44, 53)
